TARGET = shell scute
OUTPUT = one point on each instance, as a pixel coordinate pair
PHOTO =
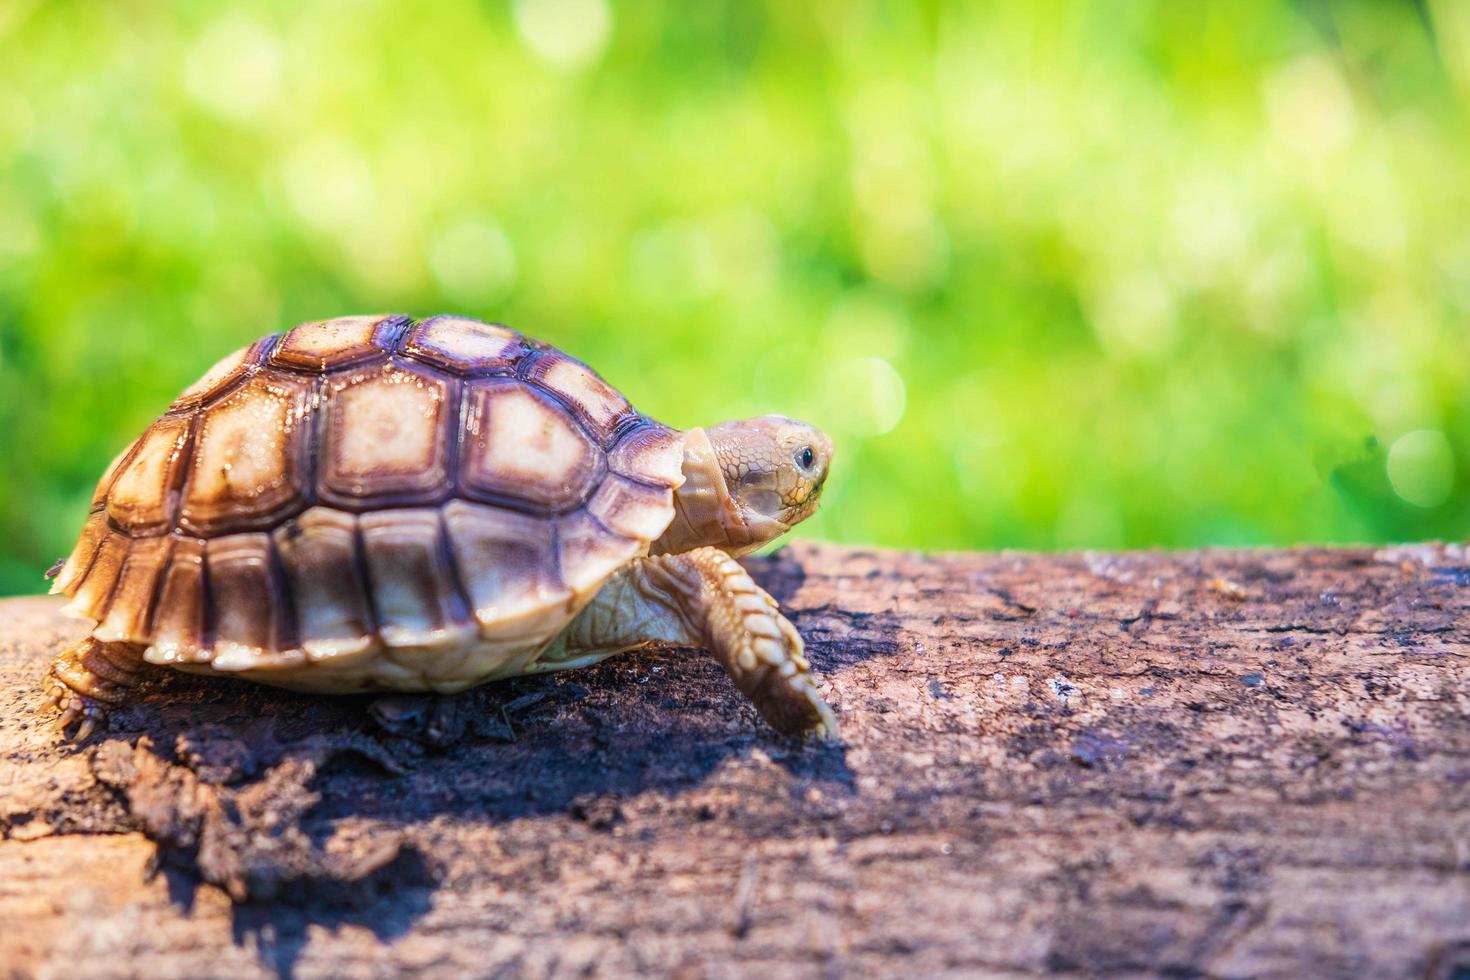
(651, 453)
(588, 552)
(131, 605)
(324, 345)
(465, 346)
(413, 587)
(522, 446)
(94, 532)
(180, 634)
(634, 510)
(144, 494)
(387, 437)
(104, 485)
(93, 592)
(601, 406)
(249, 457)
(318, 551)
(248, 616)
(225, 373)
(508, 564)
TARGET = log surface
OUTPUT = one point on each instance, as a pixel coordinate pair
(1211, 763)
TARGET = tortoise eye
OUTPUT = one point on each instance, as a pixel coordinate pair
(805, 457)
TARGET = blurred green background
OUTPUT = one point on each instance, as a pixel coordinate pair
(1054, 275)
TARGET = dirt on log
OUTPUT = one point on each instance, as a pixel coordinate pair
(1220, 763)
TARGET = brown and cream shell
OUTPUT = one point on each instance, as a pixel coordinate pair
(372, 502)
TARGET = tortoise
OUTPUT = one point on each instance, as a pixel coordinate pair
(375, 504)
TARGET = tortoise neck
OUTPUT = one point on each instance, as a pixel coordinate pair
(704, 512)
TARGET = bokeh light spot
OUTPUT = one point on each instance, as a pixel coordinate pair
(870, 321)
(1421, 467)
(672, 263)
(1208, 231)
(564, 33)
(1310, 106)
(328, 183)
(235, 68)
(473, 261)
(866, 396)
(905, 248)
(1371, 217)
(1133, 314)
(19, 236)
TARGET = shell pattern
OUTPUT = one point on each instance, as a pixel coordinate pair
(372, 502)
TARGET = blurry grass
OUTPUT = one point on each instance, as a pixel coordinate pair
(1054, 275)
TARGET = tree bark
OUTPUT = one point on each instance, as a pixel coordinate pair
(1207, 763)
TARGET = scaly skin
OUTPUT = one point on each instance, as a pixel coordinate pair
(704, 598)
(87, 677)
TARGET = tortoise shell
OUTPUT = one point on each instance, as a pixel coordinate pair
(372, 502)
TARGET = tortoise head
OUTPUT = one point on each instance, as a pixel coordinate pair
(746, 482)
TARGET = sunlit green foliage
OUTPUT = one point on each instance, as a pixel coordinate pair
(1054, 275)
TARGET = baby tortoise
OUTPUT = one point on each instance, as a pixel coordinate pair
(377, 504)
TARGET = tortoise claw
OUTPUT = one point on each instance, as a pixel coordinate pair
(50, 700)
(87, 714)
(823, 726)
(86, 729)
(792, 705)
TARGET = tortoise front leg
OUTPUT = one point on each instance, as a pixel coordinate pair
(85, 678)
(705, 598)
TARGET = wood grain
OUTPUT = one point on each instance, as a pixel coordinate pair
(1202, 764)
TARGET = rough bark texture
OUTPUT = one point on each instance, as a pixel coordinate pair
(1220, 763)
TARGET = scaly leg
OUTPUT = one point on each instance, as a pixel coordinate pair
(87, 677)
(703, 598)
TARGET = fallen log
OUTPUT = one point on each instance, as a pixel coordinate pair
(1204, 763)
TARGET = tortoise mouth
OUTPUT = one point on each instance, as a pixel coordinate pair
(764, 503)
(805, 510)
(755, 520)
